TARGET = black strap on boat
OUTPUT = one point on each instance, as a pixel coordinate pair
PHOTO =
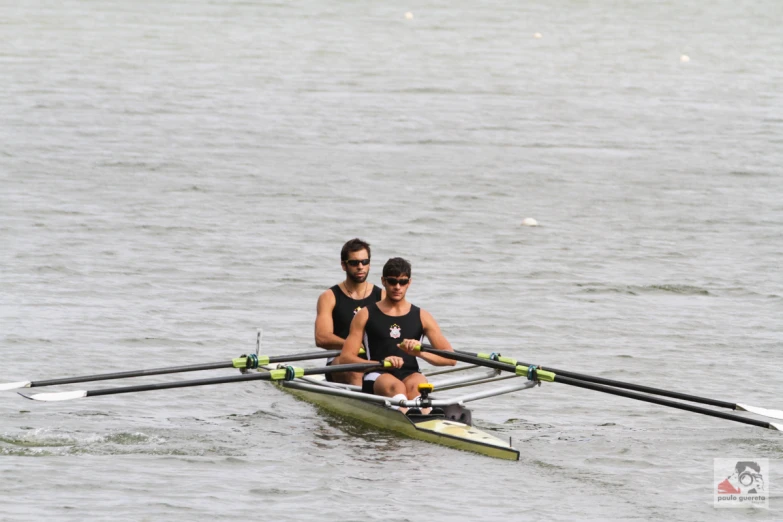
(251, 362)
(290, 373)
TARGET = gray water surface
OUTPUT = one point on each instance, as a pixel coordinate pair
(175, 175)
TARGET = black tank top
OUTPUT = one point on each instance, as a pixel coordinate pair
(384, 332)
(345, 308)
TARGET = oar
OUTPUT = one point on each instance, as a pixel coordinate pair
(534, 373)
(288, 373)
(250, 362)
(774, 414)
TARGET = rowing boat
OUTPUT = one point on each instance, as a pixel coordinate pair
(453, 427)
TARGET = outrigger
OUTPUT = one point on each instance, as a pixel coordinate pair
(450, 426)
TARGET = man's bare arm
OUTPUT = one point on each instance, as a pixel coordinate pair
(437, 340)
(324, 325)
(353, 343)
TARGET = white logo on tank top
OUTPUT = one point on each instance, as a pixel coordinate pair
(395, 331)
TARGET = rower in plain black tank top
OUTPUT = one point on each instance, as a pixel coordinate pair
(384, 332)
(345, 308)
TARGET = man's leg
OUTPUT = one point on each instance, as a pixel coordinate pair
(390, 386)
(352, 378)
(411, 383)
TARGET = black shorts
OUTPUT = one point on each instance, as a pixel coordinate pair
(328, 376)
(368, 385)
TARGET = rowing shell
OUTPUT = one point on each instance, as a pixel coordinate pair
(453, 429)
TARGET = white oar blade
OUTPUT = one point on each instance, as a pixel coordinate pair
(15, 385)
(773, 414)
(55, 396)
(778, 427)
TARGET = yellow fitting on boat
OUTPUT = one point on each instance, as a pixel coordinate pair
(249, 361)
(428, 386)
(539, 375)
(500, 358)
(280, 374)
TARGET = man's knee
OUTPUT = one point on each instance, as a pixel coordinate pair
(412, 384)
(389, 386)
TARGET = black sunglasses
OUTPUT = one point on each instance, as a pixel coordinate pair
(393, 281)
(355, 262)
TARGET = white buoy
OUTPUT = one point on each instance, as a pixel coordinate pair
(529, 222)
(538, 35)
(409, 15)
(685, 58)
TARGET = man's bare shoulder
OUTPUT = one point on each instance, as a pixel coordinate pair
(426, 317)
(327, 298)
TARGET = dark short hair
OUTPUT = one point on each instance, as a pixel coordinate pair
(354, 245)
(396, 267)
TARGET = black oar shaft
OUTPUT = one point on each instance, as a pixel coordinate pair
(640, 388)
(304, 356)
(562, 378)
(469, 358)
(358, 367)
(662, 402)
(631, 386)
(180, 369)
(133, 373)
(182, 384)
